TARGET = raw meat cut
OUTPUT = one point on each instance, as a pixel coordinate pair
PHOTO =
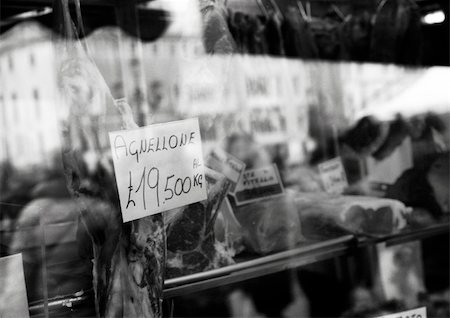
(191, 243)
(327, 215)
(270, 225)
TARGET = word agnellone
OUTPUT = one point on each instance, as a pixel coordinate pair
(124, 147)
(158, 167)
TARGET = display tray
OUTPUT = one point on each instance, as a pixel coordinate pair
(252, 266)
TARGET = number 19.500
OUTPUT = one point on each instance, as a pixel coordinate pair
(173, 186)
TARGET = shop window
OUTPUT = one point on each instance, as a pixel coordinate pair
(3, 111)
(10, 63)
(41, 145)
(14, 104)
(36, 102)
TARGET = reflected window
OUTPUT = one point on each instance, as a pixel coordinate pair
(36, 100)
(41, 144)
(3, 111)
(10, 63)
(14, 104)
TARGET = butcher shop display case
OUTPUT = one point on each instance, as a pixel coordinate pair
(224, 159)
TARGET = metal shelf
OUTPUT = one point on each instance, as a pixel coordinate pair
(246, 269)
(408, 235)
(308, 253)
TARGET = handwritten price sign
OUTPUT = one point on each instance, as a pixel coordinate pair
(415, 313)
(158, 167)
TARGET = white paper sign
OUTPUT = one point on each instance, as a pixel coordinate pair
(256, 184)
(13, 293)
(414, 313)
(333, 175)
(158, 167)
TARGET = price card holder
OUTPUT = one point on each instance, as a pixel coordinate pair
(231, 167)
(414, 313)
(333, 175)
(13, 293)
(158, 167)
(257, 184)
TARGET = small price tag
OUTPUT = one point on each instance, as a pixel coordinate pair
(13, 292)
(158, 167)
(333, 175)
(256, 184)
(414, 313)
(231, 167)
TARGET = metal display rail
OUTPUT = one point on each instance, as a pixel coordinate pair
(248, 267)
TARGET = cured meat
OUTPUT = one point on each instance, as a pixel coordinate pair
(216, 35)
(424, 189)
(270, 225)
(396, 33)
(328, 215)
(438, 177)
(398, 131)
(366, 136)
(191, 243)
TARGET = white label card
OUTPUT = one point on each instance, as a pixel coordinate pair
(257, 184)
(13, 292)
(414, 313)
(231, 167)
(158, 167)
(333, 175)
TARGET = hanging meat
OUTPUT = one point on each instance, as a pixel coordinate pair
(396, 33)
(128, 259)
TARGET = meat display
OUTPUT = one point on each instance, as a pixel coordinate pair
(327, 215)
(270, 225)
(191, 243)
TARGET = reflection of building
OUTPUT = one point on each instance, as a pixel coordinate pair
(29, 131)
(147, 74)
(29, 102)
